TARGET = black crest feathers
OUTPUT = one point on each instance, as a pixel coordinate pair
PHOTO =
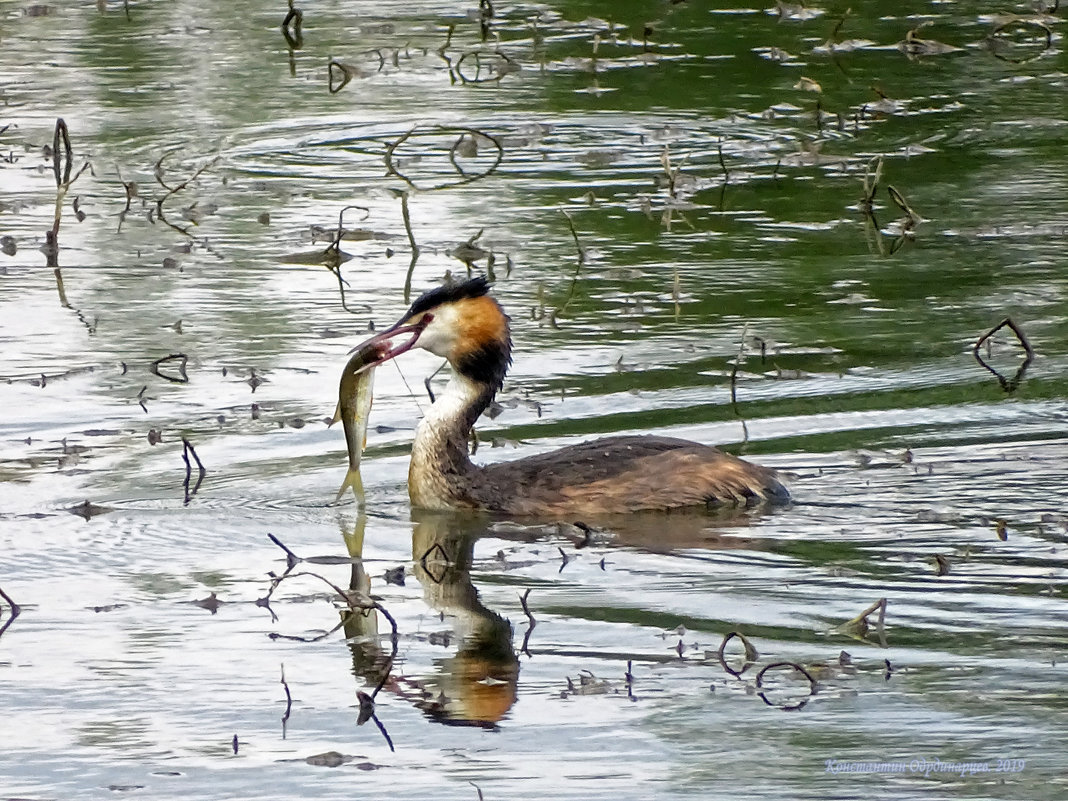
(449, 293)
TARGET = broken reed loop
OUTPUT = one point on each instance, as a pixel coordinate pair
(530, 617)
(291, 27)
(813, 687)
(61, 170)
(1012, 326)
(751, 654)
(870, 182)
(437, 130)
(62, 164)
(187, 449)
(181, 359)
(158, 172)
(356, 604)
(289, 701)
(16, 610)
(1007, 384)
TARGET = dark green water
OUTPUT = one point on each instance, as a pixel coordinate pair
(717, 198)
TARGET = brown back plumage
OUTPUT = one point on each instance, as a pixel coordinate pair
(618, 475)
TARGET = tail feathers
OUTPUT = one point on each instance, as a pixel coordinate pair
(353, 480)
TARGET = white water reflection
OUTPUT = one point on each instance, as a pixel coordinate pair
(904, 449)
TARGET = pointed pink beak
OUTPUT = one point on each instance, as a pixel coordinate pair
(380, 348)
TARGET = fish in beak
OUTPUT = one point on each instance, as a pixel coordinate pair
(382, 347)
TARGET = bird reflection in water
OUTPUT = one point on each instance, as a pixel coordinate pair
(476, 686)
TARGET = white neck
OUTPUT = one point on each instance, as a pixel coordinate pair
(440, 467)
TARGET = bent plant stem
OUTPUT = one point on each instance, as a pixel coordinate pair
(16, 610)
(574, 278)
(181, 378)
(738, 361)
(526, 610)
(751, 654)
(294, 36)
(335, 246)
(61, 169)
(289, 702)
(858, 627)
(332, 254)
(1011, 384)
(414, 246)
(356, 605)
(175, 189)
(187, 448)
(813, 687)
(130, 188)
(467, 177)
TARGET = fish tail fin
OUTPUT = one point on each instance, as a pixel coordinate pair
(353, 480)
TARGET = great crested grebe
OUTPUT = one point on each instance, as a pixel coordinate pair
(620, 474)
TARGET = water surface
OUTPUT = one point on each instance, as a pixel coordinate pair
(670, 198)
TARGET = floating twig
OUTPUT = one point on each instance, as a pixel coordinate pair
(16, 610)
(872, 175)
(485, 14)
(355, 603)
(445, 58)
(467, 177)
(182, 359)
(367, 712)
(508, 65)
(750, 653)
(292, 560)
(738, 361)
(289, 701)
(294, 36)
(997, 41)
(335, 245)
(61, 169)
(533, 623)
(1009, 385)
(913, 219)
(187, 448)
(581, 251)
(130, 188)
(812, 686)
(87, 510)
(433, 556)
(858, 627)
(346, 72)
(412, 243)
(581, 260)
(173, 190)
(382, 728)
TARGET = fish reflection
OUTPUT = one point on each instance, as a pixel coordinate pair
(361, 628)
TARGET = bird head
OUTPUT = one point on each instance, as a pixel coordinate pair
(459, 322)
